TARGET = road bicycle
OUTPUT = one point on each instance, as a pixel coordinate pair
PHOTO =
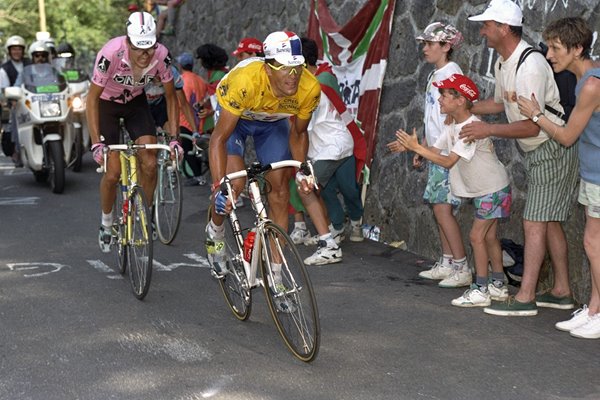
(132, 227)
(200, 152)
(283, 276)
(168, 196)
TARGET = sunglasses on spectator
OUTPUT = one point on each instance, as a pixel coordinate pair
(286, 69)
(39, 55)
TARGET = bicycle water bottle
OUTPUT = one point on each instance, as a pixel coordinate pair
(249, 245)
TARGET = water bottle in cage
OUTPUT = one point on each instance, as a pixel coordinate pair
(249, 245)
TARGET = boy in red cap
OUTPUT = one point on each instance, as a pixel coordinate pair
(475, 173)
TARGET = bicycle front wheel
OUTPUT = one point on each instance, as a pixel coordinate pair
(234, 284)
(140, 244)
(168, 199)
(289, 293)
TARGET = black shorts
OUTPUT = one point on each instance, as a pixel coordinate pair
(136, 114)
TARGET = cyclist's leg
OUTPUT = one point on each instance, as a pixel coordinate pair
(141, 128)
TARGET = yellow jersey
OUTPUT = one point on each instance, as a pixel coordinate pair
(246, 92)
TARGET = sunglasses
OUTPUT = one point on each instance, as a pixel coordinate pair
(39, 55)
(289, 70)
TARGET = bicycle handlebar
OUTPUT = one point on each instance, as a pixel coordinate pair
(124, 147)
(263, 168)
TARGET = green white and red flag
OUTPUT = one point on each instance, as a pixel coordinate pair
(358, 53)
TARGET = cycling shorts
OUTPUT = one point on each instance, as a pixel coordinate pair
(136, 114)
(271, 140)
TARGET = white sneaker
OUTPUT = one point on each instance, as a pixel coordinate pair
(324, 255)
(590, 330)
(356, 234)
(498, 293)
(338, 236)
(579, 318)
(216, 255)
(458, 278)
(473, 297)
(299, 236)
(312, 240)
(437, 272)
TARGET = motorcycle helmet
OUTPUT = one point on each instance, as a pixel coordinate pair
(141, 30)
(38, 46)
(65, 50)
(15, 40)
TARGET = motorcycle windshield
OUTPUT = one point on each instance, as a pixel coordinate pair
(43, 78)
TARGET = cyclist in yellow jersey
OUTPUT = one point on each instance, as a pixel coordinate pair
(257, 98)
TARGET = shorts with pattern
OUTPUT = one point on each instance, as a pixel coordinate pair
(589, 196)
(437, 190)
(552, 172)
(493, 205)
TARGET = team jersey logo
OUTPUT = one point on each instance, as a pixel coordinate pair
(168, 60)
(103, 64)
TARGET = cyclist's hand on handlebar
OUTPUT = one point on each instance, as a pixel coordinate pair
(98, 152)
(176, 149)
(305, 183)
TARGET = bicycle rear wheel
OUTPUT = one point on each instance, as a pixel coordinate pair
(119, 242)
(168, 199)
(289, 293)
(140, 245)
(234, 285)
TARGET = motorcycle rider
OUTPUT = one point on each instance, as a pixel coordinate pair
(123, 67)
(9, 71)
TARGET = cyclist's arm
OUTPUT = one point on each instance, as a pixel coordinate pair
(217, 150)
(92, 111)
(186, 109)
(299, 138)
(172, 109)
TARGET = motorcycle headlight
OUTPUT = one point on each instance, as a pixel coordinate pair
(50, 109)
(77, 103)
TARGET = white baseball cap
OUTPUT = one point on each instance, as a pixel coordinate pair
(502, 11)
(284, 47)
(141, 30)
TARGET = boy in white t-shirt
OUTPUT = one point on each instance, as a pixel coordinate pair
(475, 173)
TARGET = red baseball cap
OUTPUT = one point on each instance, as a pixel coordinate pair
(461, 84)
(248, 45)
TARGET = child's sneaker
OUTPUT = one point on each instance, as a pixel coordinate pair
(439, 271)
(473, 297)
(579, 318)
(457, 278)
(498, 291)
(590, 330)
(299, 236)
(324, 255)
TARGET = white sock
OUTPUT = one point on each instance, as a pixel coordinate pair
(461, 264)
(216, 231)
(107, 219)
(300, 225)
(446, 260)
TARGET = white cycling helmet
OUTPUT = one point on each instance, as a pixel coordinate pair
(141, 30)
(15, 40)
(38, 46)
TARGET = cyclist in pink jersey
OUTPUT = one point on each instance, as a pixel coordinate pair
(123, 67)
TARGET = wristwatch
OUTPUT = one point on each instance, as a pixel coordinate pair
(536, 117)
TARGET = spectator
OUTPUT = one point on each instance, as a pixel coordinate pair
(331, 149)
(214, 60)
(166, 16)
(569, 42)
(551, 167)
(248, 47)
(439, 41)
(195, 89)
(475, 173)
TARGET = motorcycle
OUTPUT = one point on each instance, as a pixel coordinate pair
(79, 84)
(45, 122)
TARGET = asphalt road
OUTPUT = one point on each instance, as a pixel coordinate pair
(71, 329)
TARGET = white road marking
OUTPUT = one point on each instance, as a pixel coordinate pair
(18, 201)
(32, 266)
(101, 267)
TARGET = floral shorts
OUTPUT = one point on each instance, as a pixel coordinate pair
(437, 190)
(493, 205)
(589, 196)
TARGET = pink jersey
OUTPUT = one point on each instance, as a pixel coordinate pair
(113, 71)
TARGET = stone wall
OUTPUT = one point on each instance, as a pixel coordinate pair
(398, 208)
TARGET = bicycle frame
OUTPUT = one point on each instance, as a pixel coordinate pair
(251, 268)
